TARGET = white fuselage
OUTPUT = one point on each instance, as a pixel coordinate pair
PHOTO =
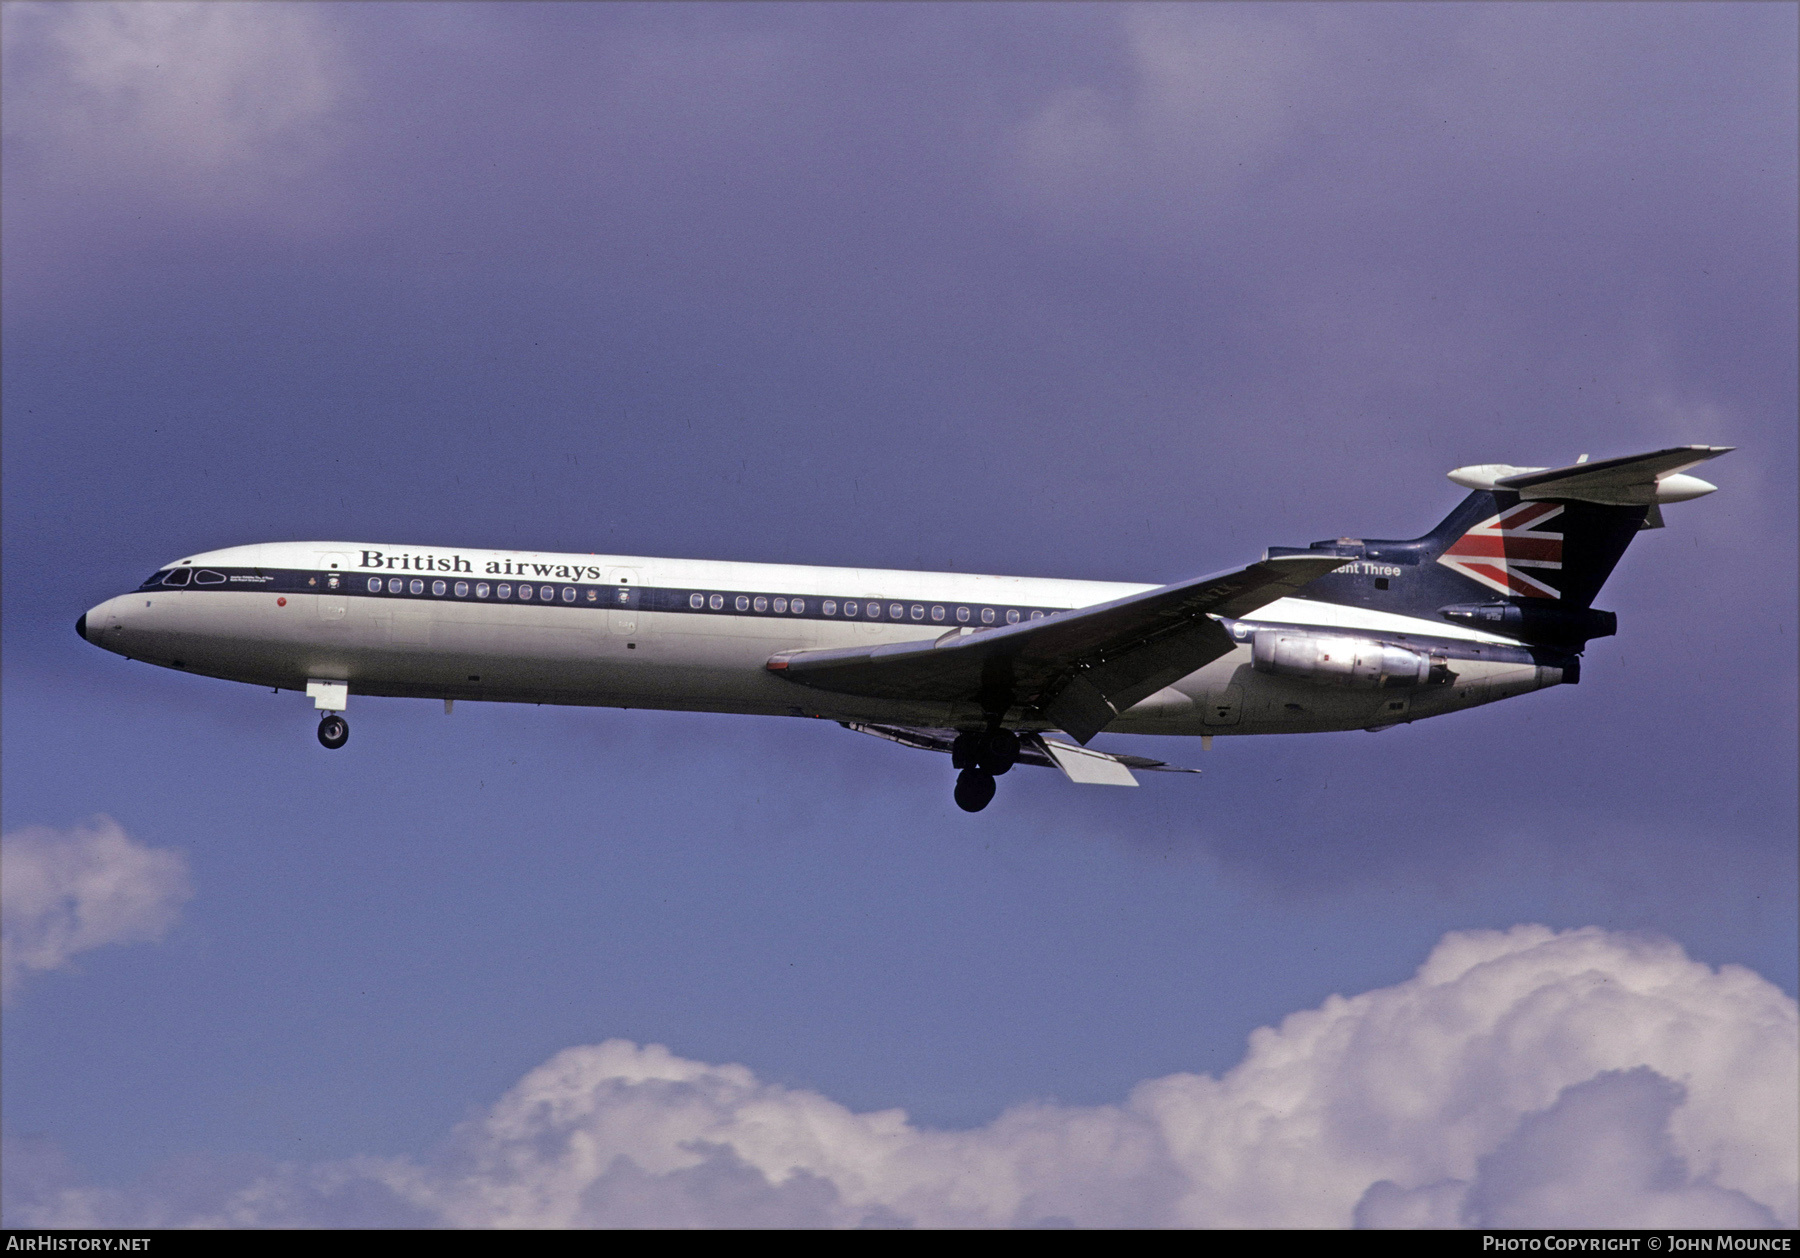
(626, 631)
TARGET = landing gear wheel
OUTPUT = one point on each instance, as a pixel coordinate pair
(334, 731)
(965, 752)
(974, 789)
(999, 751)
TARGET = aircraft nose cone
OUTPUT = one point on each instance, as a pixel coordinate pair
(81, 626)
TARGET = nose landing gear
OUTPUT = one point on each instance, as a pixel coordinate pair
(334, 730)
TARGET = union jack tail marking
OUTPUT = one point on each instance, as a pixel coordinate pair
(1498, 551)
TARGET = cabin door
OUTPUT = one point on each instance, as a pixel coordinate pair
(332, 574)
(623, 601)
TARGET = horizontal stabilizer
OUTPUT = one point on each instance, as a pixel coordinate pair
(1636, 480)
(1079, 764)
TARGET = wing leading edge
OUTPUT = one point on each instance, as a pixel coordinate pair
(1077, 669)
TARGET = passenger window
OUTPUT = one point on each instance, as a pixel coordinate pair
(797, 606)
(874, 610)
(1037, 615)
(547, 593)
(594, 596)
(829, 607)
(438, 588)
(395, 585)
(503, 590)
(332, 581)
(937, 613)
(716, 602)
(462, 589)
(1012, 616)
(418, 586)
(695, 601)
(987, 615)
(896, 612)
(524, 591)
(918, 611)
(761, 604)
(962, 615)
(850, 609)
(374, 585)
(206, 576)
(481, 589)
(781, 605)
(743, 603)
(568, 594)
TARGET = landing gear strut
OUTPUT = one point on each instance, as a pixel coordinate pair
(334, 730)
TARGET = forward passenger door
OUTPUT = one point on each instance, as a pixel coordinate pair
(331, 605)
(624, 600)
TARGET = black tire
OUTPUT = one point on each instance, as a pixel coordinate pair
(974, 789)
(965, 752)
(334, 731)
(999, 751)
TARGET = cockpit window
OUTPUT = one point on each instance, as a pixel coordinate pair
(206, 576)
(178, 576)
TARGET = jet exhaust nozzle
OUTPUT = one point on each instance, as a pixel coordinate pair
(1528, 622)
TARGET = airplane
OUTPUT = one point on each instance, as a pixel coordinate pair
(1344, 634)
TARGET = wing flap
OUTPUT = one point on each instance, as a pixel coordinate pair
(1079, 764)
(1094, 696)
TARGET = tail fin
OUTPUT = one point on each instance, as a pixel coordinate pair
(1527, 550)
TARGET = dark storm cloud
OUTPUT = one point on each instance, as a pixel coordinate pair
(976, 244)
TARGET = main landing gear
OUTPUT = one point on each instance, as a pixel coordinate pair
(982, 755)
(334, 730)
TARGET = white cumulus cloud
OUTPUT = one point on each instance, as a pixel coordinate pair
(1521, 1078)
(64, 892)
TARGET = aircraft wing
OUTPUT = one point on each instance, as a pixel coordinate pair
(1078, 668)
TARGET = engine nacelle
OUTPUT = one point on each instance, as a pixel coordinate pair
(1357, 663)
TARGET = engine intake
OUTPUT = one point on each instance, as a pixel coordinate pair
(1358, 663)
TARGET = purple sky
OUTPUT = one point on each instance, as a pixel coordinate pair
(1108, 292)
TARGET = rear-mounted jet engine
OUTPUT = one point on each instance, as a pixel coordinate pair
(1357, 663)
